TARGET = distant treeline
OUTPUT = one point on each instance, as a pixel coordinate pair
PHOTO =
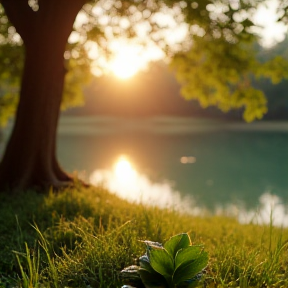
(156, 92)
(277, 95)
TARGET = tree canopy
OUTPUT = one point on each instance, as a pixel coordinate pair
(219, 40)
(214, 63)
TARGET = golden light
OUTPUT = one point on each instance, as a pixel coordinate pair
(127, 62)
(124, 180)
(123, 169)
(130, 58)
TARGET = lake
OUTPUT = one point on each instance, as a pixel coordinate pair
(193, 165)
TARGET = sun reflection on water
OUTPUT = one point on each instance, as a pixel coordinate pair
(124, 180)
(124, 170)
(271, 208)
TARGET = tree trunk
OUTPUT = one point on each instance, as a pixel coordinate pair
(30, 156)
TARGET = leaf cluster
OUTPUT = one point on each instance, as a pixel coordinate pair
(176, 264)
(219, 73)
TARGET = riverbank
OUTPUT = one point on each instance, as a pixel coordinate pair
(84, 237)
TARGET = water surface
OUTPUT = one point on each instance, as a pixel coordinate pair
(196, 164)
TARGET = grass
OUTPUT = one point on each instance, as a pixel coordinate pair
(84, 237)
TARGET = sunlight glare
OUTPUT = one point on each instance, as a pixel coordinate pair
(272, 31)
(127, 62)
(123, 169)
(125, 181)
(125, 67)
(130, 58)
(271, 208)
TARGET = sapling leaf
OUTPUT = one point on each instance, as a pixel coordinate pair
(177, 242)
(187, 254)
(153, 279)
(161, 262)
(189, 269)
(145, 264)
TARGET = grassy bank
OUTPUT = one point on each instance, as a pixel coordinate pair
(85, 237)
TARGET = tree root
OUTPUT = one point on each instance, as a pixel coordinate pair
(41, 183)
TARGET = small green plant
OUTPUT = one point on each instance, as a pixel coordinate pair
(176, 264)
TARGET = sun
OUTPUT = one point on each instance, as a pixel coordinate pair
(128, 58)
(131, 57)
(127, 62)
(125, 66)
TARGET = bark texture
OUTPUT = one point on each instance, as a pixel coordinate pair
(30, 156)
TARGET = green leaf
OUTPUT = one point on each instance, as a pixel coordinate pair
(151, 279)
(177, 242)
(145, 264)
(189, 269)
(187, 254)
(161, 262)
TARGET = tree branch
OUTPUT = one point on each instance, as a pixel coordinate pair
(20, 15)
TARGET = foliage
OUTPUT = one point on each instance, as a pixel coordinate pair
(78, 72)
(220, 82)
(227, 82)
(91, 235)
(176, 264)
(214, 65)
(274, 85)
(8, 103)
(220, 67)
(10, 68)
